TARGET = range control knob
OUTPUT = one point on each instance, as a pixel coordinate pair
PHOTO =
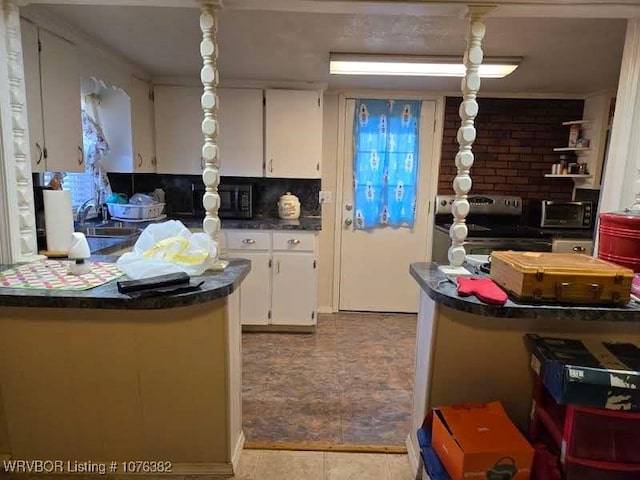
(443, 203)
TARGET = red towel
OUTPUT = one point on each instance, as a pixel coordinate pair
(484, 288)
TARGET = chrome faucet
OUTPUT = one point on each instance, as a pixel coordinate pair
(83, 210)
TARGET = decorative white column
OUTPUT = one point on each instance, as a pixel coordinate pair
(17, 228)
(209, 101)
(466, 136)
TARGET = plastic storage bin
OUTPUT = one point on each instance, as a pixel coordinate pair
(596, 444)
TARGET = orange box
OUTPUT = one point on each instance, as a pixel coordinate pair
(479, 441)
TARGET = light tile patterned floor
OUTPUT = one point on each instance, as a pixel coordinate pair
(348, 384)
(289, 465)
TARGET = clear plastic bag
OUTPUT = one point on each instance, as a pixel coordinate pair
(168, 247)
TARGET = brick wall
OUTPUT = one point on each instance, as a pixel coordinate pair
(514, 147)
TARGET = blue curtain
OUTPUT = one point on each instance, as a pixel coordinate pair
(385, 167)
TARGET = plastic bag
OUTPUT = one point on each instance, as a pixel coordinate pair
(168, 247)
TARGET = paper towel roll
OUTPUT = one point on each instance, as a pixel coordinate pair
(58, 217)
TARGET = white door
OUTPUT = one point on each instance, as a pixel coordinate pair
(60, 80)
(255, 295)
(374, 264)
(240, 116)
(293, 133)
(179, 138)
(31, 58)
(143, 141)
(294, 289)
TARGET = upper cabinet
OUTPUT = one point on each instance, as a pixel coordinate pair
(52, 84)
(142, 111)
(179, 139)
(287, 124)
(293, 133)
(241, 132)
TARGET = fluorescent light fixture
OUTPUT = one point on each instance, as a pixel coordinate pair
(408, 65)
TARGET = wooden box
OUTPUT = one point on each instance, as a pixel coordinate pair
(561, 277)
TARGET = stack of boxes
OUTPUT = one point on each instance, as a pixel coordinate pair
(584, 425)
(586, 409)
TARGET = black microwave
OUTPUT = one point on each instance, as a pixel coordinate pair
(236, 201)
(567, 214)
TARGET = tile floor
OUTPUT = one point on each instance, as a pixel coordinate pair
(348, 384)
(289, 465)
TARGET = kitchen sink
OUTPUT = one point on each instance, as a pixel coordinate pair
(108, 231)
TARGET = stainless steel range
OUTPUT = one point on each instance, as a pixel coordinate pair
(493, 223)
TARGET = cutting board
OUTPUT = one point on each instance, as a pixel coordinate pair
(561, 277)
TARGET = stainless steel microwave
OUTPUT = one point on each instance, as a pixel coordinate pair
(236, 201)
(567, 214)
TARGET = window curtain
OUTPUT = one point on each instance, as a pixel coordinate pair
(385, 167)
(96, 149)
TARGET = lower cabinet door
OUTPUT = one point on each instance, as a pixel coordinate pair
(255, 294)
(294, 289)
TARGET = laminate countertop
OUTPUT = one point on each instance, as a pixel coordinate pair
(444, 292)
(216, 285)
(106, 246)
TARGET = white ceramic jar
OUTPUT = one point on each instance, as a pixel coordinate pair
(289, 207)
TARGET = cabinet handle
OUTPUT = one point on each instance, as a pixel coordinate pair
(278, 265)
(139, 160)
(579, 249)
(248, 241)
(39, 153)
(154, 161)
(81, 157)
(294, 241)
(318, 166)
(271, 165)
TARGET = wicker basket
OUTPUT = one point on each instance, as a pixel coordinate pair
(135, 212)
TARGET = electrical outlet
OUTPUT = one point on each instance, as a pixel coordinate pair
(325, 196)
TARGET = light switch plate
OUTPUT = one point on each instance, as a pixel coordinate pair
(325, 196)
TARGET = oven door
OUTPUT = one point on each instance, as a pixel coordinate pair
(484, 246)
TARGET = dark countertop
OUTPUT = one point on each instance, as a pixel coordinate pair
(270, 223)
(435, 284)
(106, 246)
(216, 285)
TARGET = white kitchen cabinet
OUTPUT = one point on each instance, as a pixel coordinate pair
(142, 112)
(256, 293)
(52, 85)
(294, 289)
(293, 133)
(31, 60)
(179, 138)
(60, 85)
(241, 142)
(280, 289)
(255, 301)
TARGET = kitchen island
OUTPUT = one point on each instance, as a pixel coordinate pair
(468, 351)
(97, 376)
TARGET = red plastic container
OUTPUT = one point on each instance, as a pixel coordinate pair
(619, 239)
(592, 444)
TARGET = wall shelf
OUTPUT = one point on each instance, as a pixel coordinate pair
(576, 122)
(572, 149)
(568, 175)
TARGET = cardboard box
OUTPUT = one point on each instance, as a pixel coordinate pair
(588, 373)
(480, 442)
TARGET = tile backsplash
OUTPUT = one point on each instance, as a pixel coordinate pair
(178, 190)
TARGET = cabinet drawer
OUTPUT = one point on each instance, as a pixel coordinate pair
(293, 241)
(248, 240)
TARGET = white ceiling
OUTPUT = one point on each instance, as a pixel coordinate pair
(560, 55)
